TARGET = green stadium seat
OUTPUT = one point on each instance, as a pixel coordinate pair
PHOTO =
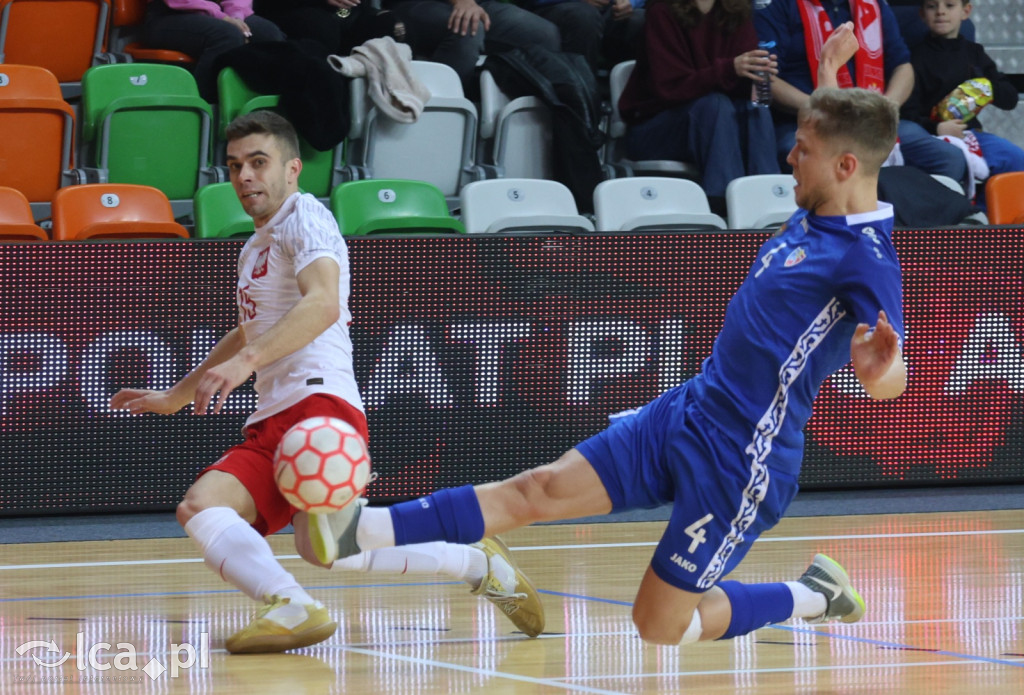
(219, 214)
(146, 124)
(392, 205)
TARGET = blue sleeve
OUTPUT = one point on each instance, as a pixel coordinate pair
(896, 51)
(872, 281)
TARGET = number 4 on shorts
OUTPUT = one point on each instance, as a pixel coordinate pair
(696, 532)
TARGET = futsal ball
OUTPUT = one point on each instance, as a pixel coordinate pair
(321, 465)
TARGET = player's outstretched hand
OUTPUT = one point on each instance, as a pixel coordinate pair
(876, 355)
(138, 401)
(220, 381)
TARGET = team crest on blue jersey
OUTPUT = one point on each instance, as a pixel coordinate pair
(795, 256)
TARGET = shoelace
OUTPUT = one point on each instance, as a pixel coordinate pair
(275, 602)
(510, 600)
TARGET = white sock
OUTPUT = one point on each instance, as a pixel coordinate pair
(807, 603)
(375, 529)
(458, 561)
(241, 556)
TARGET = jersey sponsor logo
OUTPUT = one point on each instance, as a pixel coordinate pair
(797, 255)
(685, 564)
(260, 268)
(870, 233)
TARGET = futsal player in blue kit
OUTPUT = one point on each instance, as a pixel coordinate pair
(725, 447)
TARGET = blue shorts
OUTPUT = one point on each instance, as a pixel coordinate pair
(722, 499)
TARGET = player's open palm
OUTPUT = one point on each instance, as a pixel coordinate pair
(873, 351)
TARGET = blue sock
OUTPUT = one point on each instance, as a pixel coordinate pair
(452, 515)
(756, 605)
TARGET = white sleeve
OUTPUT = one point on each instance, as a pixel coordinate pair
(311, 232)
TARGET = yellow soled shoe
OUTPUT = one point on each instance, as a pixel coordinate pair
(509, 589)
(282, 625)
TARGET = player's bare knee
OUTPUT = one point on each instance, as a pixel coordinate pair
(193, 503)
(657, 628)
(187, 508)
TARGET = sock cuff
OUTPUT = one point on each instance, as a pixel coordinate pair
(755, 606)
(205, 526)
(451, 514)
(460, 513)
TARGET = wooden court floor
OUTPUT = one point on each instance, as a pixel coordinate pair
(945, 594)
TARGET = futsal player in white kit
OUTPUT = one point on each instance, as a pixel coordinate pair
(292, 296)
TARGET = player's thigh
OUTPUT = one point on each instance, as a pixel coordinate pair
(217, 489)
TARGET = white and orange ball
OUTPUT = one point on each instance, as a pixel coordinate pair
(321, 465)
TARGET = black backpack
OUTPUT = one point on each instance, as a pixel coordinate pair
(565, 83)
(921, 201)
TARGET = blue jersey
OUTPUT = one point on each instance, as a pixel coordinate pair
(788, 327)
(726, 446)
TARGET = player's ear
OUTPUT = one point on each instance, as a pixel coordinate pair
(967, 11)
(294, 169)
(846, 165)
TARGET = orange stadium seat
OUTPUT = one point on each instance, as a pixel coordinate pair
(128, 14)
(16, 222)
(1004, 194)
(63, 36)
(113, 211)
(37, 126)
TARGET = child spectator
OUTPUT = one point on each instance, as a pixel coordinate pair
(943, 63)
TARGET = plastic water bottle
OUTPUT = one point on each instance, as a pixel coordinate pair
(763, 90)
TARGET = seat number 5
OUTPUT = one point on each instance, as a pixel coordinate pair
(696, 532)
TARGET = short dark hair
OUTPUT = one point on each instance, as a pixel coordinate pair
(860, 120)
(266, 123)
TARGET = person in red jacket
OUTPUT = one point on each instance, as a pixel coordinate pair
(689, 97)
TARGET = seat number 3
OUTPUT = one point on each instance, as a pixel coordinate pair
(696, 532)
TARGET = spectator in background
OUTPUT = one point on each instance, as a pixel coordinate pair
(205, 29)
(457, 32)
(689, 96)
(337, 25)
(596, 29)
(943, 62)
(800, 27)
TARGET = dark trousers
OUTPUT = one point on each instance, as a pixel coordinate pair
(726, 138)
(201, 36)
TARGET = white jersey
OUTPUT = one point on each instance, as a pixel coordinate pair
(302, 231)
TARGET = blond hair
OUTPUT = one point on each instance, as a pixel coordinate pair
(856, 120)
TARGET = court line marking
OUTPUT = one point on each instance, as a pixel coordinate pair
(896, 645)
(524, 548)
(839, 635)
(550, 682)
(782, 669)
